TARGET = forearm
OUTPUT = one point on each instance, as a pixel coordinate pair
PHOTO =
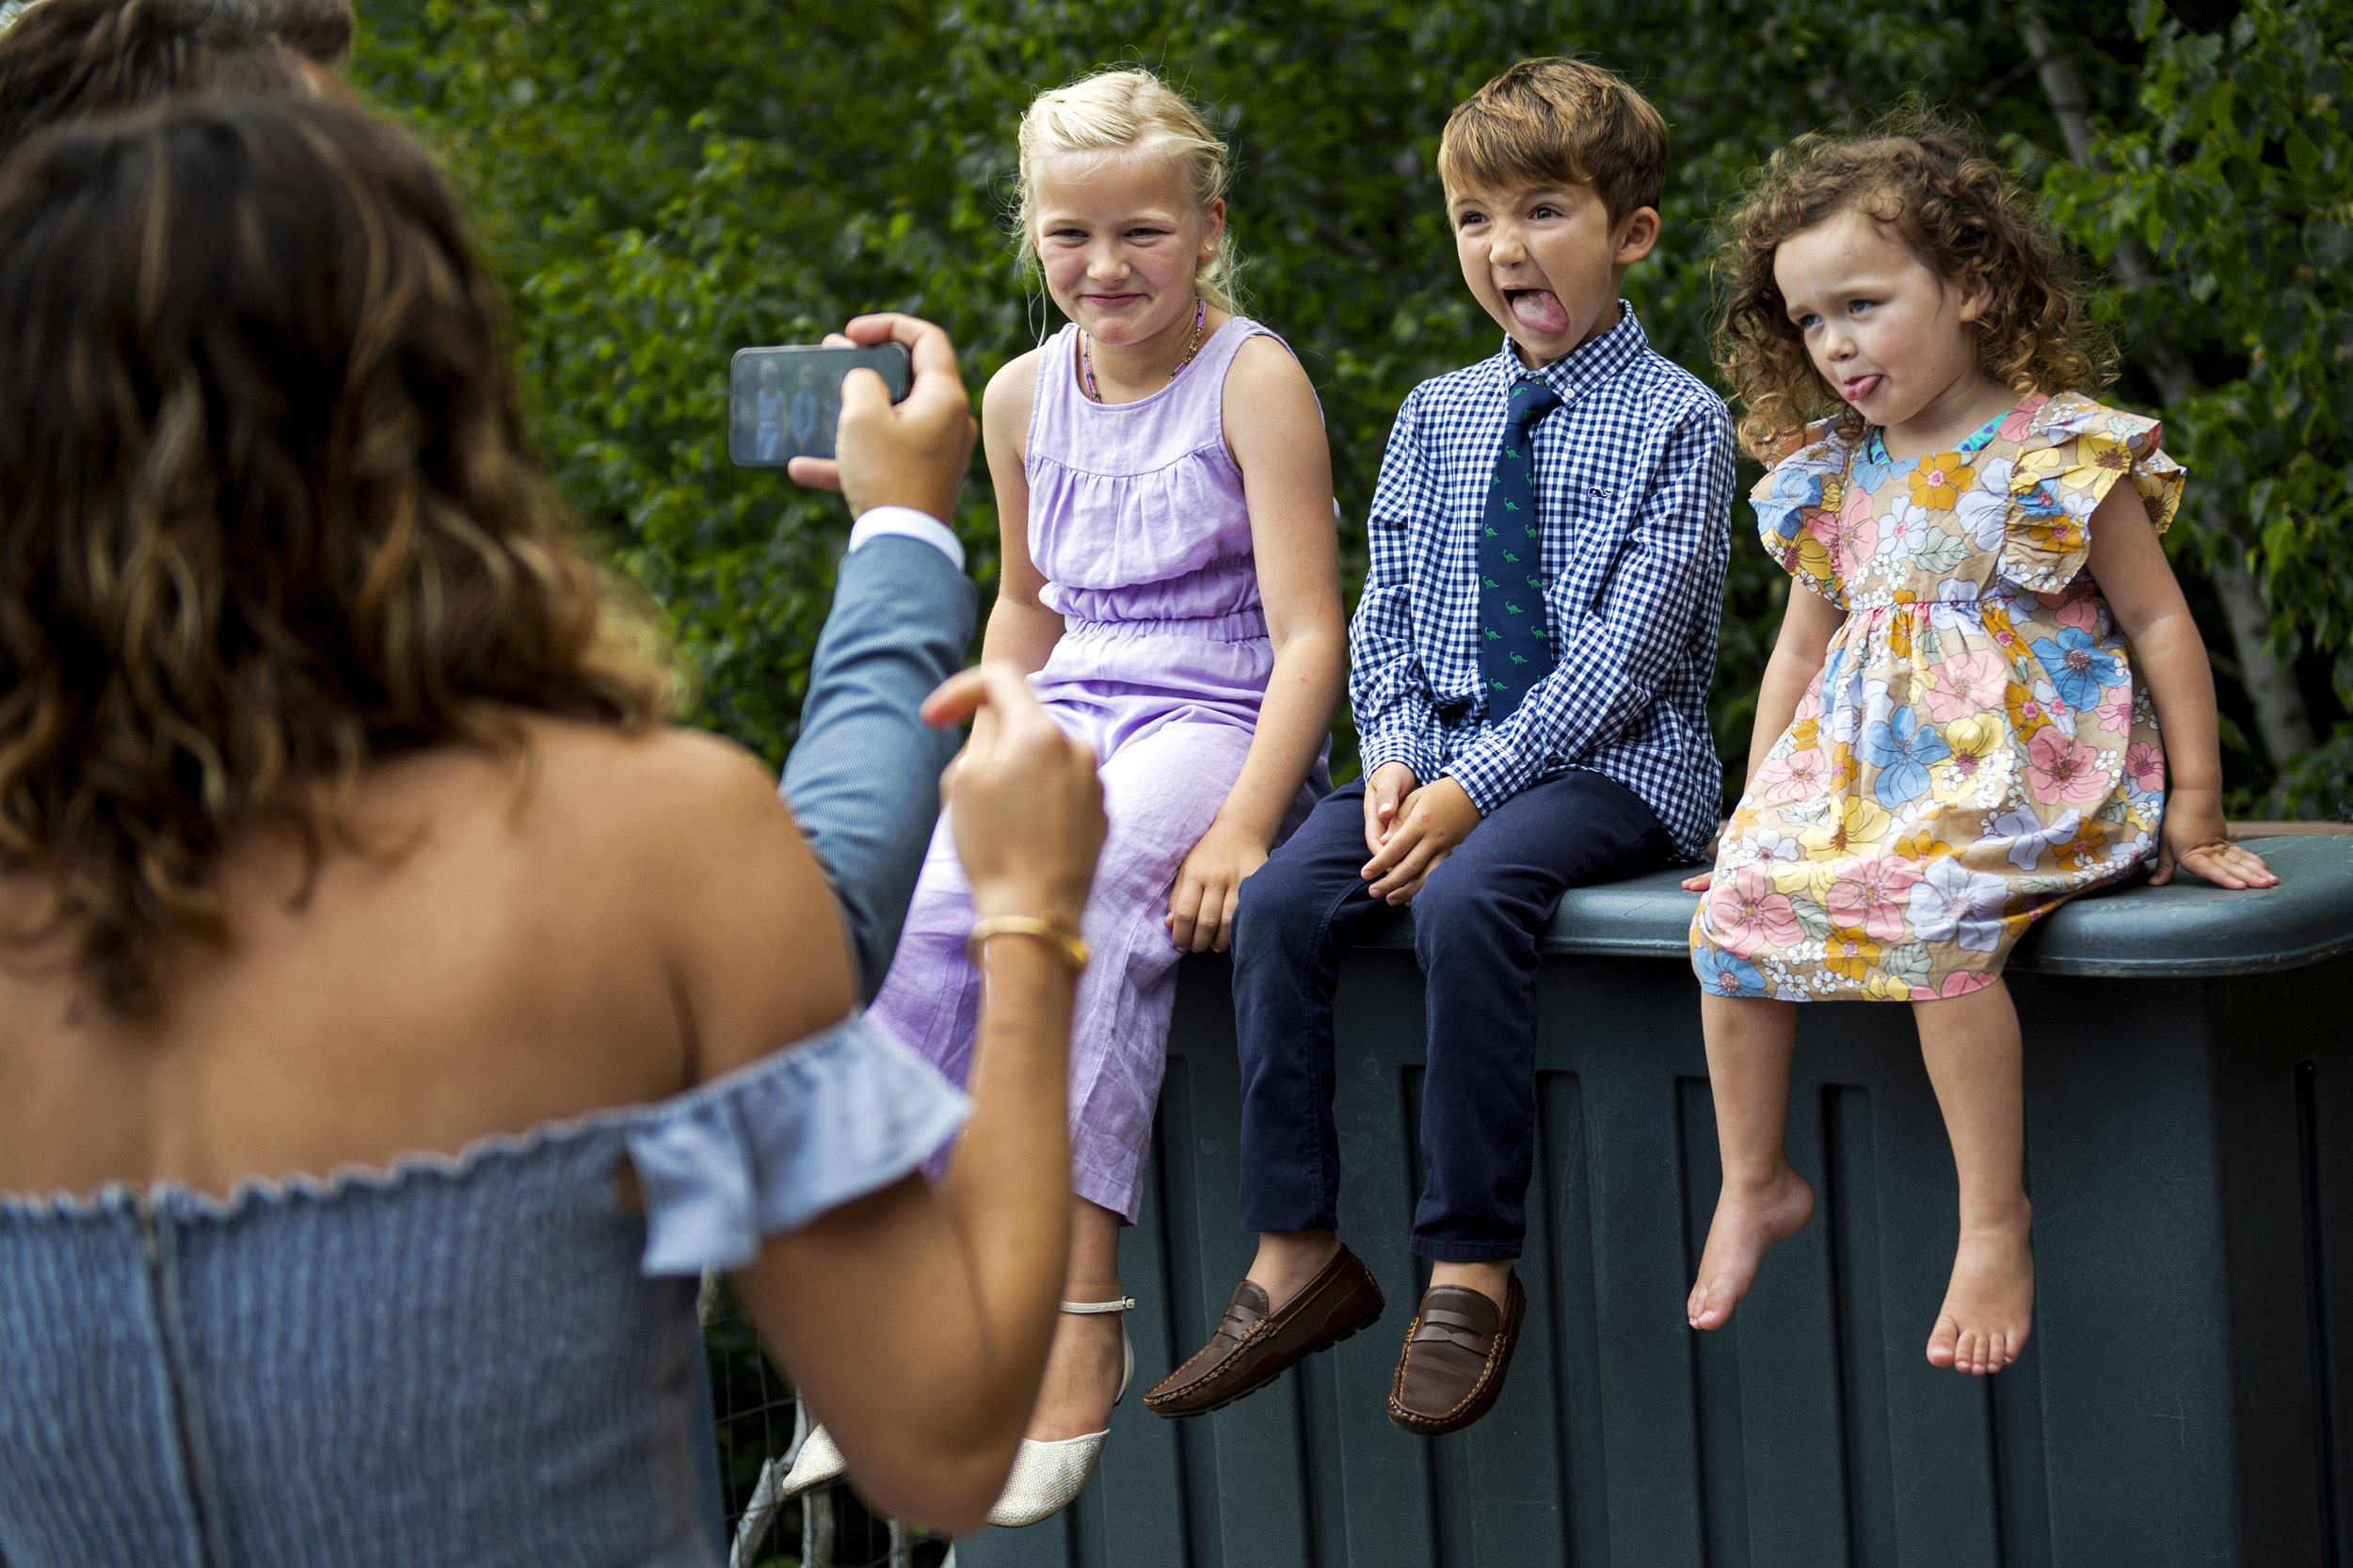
(1785, 683)
(2174, 664)
(863, 778)
(917, 1320)
(1294, 721)
(1021, 632)
(1007, 1190)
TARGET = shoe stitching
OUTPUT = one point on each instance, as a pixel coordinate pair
(1397, 1384)
(1226, 1364)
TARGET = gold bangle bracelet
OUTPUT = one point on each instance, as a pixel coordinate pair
(1067, 944)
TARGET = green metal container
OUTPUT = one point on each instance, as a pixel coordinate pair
(2187, 1399)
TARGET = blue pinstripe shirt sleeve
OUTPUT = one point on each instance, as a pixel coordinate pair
(1664, 588)
(1397, 718)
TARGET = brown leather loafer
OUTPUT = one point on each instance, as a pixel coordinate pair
(1254, 1346)
(1454, 1359)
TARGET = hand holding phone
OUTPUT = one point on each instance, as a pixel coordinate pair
(913, 454)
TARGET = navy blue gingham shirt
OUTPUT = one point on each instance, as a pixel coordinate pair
(1634, 493)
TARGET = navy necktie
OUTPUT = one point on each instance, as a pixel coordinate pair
(1514, 640)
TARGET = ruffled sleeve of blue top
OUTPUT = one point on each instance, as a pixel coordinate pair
(769, 1147)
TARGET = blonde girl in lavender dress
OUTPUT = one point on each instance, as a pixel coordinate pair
(1959, 725)
(1171, 578)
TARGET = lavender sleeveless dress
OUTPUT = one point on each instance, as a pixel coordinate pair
(1138, 524)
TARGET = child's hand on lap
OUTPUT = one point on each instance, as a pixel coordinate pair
(1208, 886)
(2194, 838)
(1385, 793)
(1430, 823)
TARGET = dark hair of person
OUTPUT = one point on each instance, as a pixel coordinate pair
(63, 60)
(319, 30)
(271, 516)
(1929, 179)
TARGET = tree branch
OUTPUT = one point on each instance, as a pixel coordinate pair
(2281, 719)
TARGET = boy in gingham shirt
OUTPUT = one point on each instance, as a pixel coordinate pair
(1530, 665)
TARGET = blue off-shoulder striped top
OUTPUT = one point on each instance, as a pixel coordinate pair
(481, 1359)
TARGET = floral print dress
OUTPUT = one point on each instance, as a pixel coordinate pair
(1976, 749)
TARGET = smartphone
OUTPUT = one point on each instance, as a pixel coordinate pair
(784, 403)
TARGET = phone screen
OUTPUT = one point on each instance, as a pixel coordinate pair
(784, 403)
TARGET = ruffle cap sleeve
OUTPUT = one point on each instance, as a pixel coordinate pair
(770, 1146)
(2064, 468)
(1793, 498)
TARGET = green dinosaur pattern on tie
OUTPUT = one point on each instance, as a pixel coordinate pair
(1516, 642)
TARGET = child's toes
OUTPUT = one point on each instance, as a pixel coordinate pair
(1989, 1307)
(1944, 1344)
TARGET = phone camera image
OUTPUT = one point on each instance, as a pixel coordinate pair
(784, 403)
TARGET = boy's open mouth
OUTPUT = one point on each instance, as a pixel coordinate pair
(1538, 309)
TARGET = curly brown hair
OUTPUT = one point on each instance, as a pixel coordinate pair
(1930, 179)
(271, 516)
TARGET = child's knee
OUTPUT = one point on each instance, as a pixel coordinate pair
(1456, 908)
(1281, 897)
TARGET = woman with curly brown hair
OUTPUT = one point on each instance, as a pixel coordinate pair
(1958, 728)
(389, 1003)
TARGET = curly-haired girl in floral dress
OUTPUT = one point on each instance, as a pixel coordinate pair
(1958, 728)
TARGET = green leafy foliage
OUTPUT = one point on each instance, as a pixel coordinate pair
(661, 184)
(2233, 168)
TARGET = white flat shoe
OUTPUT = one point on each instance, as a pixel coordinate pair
(1047, 1476)
(817, 1464)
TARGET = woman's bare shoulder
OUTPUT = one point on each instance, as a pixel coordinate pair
(690, 832)
(657, 786)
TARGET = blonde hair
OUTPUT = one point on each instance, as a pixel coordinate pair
(1130, 111)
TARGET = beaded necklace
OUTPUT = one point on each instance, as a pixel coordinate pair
(1086, 361)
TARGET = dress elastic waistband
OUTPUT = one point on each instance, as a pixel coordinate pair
(1241, 626)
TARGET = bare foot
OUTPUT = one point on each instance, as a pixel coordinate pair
(1081, 1377)
(1749, 1219)
(1989, 1307)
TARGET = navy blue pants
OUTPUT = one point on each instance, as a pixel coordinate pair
(1476, 924)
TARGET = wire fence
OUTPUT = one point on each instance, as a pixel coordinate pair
(760, 1427)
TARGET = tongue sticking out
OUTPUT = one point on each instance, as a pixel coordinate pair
(1539, 310)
